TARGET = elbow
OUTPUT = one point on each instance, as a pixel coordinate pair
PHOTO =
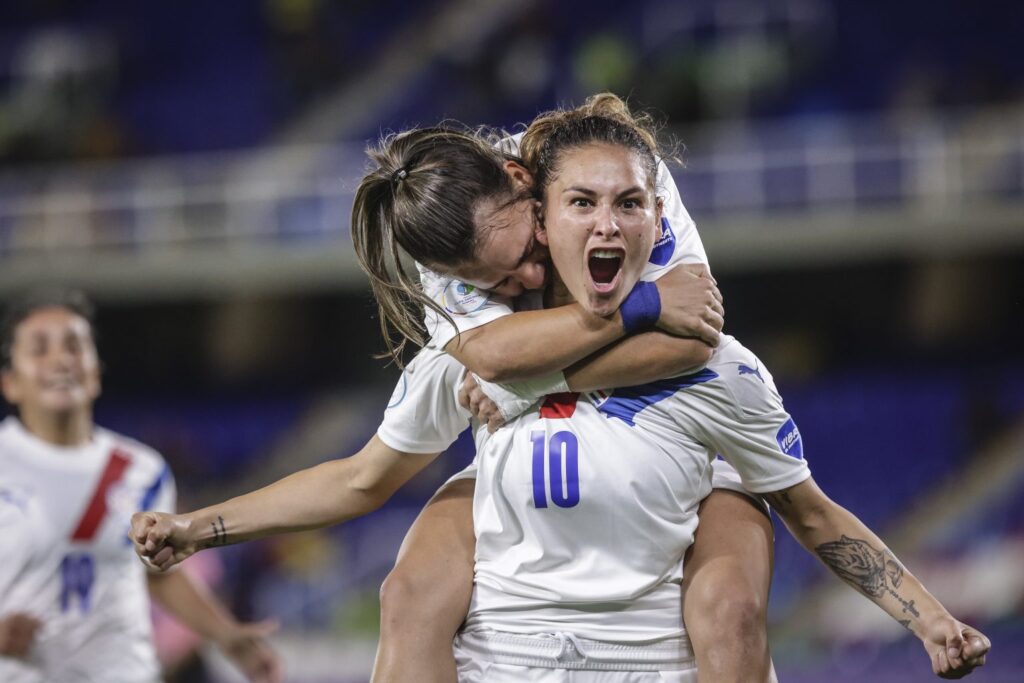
(498, 366)
(693, 354)
(488, 372)
(369, 495)
(812, 518)
(498, 375)
(702, 354)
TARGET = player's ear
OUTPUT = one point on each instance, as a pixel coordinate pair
(9, 386)
(539, 231)
(522, 179)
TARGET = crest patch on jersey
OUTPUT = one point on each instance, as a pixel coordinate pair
(665, 246)
(462, 299)
(789, 440)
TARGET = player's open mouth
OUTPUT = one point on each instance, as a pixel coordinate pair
(605, 266)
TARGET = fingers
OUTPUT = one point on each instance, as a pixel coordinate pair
(482, 407)
(716, 293)
(141, 522)
(976, 643)
(17, 634)
(708, 334)
(465, 389)
(163, 559)
(248, 646)
(261, 629)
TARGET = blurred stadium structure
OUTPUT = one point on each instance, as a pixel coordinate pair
(858, 180)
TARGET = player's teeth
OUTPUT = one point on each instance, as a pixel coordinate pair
(605, 253)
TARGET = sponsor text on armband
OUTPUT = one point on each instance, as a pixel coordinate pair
(789, 440)
(665, 246)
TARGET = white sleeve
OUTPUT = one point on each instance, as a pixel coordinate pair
(468, 306)
(22, 525)
(679, 241)
(424, 415)
(739, 413)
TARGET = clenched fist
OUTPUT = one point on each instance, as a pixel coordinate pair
(162, 540)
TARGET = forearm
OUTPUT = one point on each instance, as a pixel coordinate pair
(327, 494)
(636, 360)
(857, 556)
(191, 604)
(533, 343)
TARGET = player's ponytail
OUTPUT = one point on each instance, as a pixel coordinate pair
(419, 200)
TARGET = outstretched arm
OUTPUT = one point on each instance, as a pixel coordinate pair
(531, 344)
(857, 556)
(194, 606)
(329, 493)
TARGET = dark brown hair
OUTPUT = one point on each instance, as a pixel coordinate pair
(601, 118)
(23, 307)
(419, 198)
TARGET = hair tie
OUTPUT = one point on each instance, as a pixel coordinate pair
(400, 174)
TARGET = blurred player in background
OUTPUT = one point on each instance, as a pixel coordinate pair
(74, 600)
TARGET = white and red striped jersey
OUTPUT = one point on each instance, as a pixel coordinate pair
(67, 560)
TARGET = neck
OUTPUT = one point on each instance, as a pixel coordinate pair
(557, 294)
(73, 428)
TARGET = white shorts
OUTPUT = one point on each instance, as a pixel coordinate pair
(497, 657)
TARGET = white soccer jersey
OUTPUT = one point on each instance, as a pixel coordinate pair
(470, 307)
(424, 415)
(79, 574)
(585, 507)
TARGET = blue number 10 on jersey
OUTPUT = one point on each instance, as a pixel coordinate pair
(558, 453)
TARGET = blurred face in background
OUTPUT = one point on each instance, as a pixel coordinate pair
(54, 368)
(600, 218)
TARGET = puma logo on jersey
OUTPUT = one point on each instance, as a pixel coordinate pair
(747, 370)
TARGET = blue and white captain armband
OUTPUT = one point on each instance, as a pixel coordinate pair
(641, 308)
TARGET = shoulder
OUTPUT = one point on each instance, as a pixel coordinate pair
(431, 367)
(8, 429)
(143, 456)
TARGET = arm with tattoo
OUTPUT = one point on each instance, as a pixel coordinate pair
(857, 556)
(329, 493)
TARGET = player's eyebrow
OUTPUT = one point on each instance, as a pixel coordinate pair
(586, 191)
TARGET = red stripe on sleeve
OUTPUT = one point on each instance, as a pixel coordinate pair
(97, 508)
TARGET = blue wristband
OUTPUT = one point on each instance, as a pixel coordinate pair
(642, 307)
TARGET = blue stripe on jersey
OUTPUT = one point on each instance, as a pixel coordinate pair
(665, 246)
(626, 402)
(154, 489)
